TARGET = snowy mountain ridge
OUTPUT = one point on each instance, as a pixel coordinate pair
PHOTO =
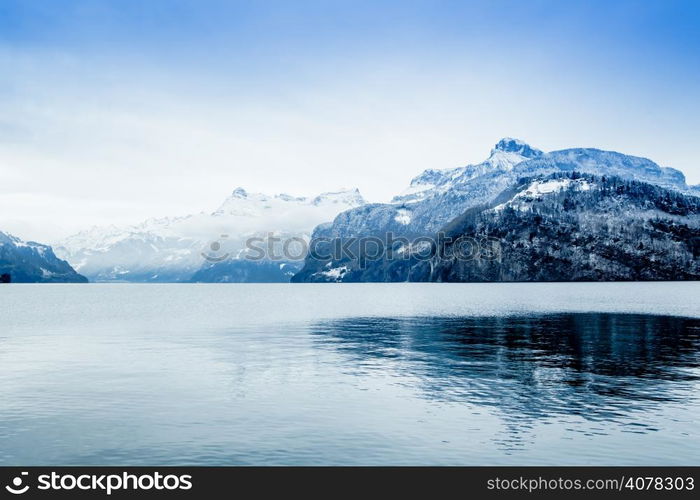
(505, 155)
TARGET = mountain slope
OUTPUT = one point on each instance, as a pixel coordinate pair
(246, 271)
(567, 227)
(31, 262)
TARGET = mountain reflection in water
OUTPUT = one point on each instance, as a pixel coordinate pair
(602, 367)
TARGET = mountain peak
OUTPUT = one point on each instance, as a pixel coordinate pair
(239, 192)
(510, 145)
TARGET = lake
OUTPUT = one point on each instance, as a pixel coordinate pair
(391, 374)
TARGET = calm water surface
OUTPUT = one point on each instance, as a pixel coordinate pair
(350, 374)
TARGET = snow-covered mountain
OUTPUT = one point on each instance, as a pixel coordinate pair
(564, 226)
(173, 249)
(507, 153)
(435, 197)
(579, 227)
(30, 262)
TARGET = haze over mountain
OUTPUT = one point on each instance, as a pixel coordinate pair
(173, 249)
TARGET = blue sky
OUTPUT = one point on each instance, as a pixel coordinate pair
(114, 111)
